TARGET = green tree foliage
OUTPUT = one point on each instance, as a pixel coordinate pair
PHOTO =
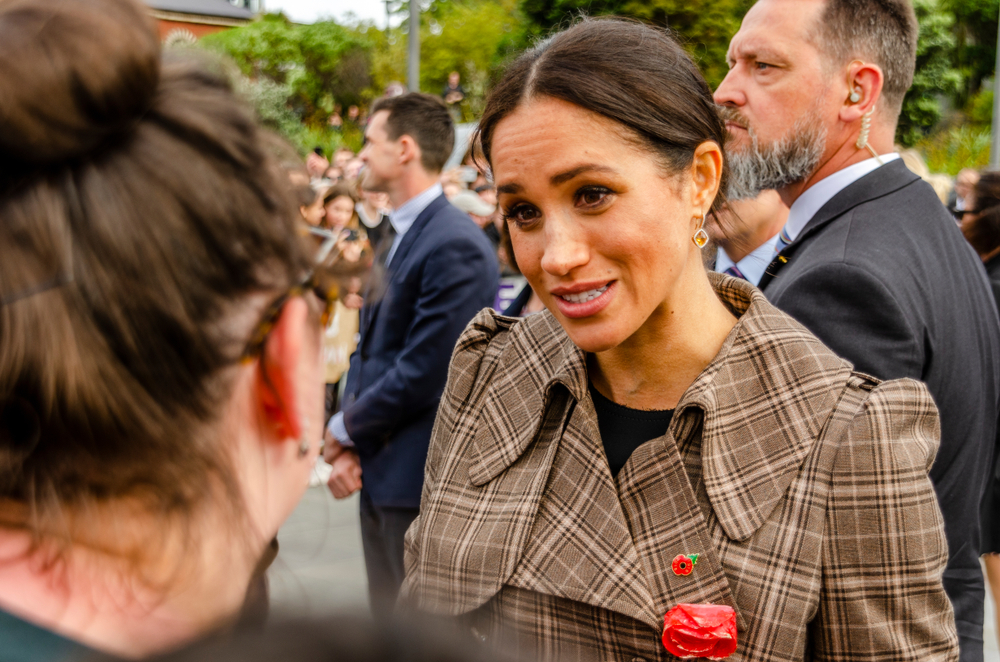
(704, 27)
(975, 53)
(318, 65)
(472, 37)
(935, 77)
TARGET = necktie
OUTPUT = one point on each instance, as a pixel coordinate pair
(734, 271)
(783, 240)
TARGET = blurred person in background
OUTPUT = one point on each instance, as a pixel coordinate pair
(965, 183)
(338, 205)
(316, 163)
(869, 260)
(373, 211)
(493, 224)
(340, 335)
(352, 169)
(311, 207)
(745, 232)
(354, 116)
(478, 210)
(342, 156)
(981, 227)
(453, 95)
(439, 272)
(333, 175)
(160, 383)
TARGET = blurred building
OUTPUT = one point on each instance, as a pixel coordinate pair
(189, 20)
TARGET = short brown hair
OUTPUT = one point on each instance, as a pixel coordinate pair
(424, 118)
(145, 223)
(883, 32)
(634, 74)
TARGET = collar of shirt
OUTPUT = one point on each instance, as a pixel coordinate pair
(406, 215)
(820, 193)
(753, 265)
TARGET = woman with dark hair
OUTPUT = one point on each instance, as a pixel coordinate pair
(161, 394)
(662, 464)
(339, 201)
(981, 226)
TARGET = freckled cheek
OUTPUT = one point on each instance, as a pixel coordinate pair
(528, 251)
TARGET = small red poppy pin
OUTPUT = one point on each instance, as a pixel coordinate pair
(683, 564)
(700, 631)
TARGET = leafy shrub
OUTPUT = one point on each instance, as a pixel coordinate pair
(953, 149)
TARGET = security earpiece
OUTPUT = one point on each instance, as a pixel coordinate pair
(855, 96)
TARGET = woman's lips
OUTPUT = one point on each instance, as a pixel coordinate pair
(587, 303)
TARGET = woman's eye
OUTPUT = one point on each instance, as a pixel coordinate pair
(521, 215)
(593, 196)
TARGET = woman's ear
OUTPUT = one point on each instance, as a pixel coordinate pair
(706, 176)
(278, 390)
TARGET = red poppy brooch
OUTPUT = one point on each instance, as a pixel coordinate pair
(683, 564)
(705, 631)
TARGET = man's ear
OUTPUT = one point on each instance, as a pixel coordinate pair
(278, 391)
(864, 89)
(410, 150)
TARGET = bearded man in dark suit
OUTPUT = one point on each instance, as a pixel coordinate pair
(869, 259)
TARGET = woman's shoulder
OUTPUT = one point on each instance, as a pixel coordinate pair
(500, 353)
(894, 425)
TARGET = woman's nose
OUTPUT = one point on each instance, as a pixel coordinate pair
(565, 249)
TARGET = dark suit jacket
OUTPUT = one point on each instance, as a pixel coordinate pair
(443, 272)
(883, 276)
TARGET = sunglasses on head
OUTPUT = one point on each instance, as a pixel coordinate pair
(320, 280)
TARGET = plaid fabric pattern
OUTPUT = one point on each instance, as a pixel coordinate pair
(802, 485)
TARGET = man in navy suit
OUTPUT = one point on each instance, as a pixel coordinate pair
(440, 270)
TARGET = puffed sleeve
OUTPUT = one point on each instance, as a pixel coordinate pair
(884, 548)
(463, 376)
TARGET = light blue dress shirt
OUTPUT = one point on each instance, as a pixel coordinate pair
(402, 220)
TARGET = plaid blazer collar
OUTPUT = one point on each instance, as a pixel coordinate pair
(760, 404)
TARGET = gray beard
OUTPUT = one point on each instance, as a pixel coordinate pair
(757, 167)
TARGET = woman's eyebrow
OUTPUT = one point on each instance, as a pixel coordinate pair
(566, 176)
(509, 188)
(560, 178)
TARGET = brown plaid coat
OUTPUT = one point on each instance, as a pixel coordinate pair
(802, 484)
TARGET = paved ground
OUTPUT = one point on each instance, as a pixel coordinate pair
(321, 569)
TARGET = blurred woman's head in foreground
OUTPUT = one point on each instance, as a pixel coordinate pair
(160, 386)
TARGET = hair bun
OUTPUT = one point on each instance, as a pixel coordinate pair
(73, 73)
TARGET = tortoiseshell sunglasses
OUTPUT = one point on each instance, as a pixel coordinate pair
(320, 280)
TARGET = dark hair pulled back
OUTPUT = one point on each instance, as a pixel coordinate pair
(144, 225)
(634, 74)
(984, 232)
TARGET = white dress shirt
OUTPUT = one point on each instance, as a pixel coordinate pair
(402, 220)
(753, 265)
(820, 193)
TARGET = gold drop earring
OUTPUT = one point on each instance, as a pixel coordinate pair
(700, 237)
